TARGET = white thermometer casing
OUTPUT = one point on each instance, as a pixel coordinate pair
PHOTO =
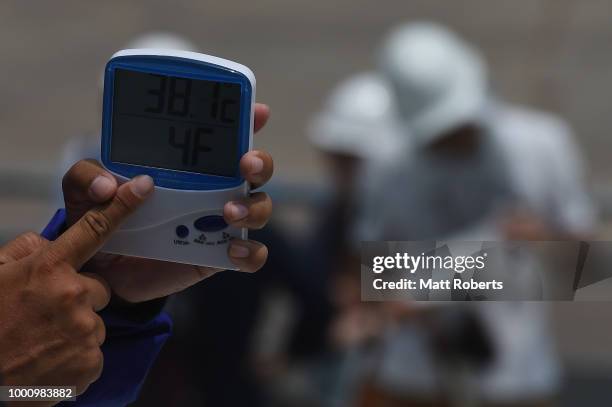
(182, 221)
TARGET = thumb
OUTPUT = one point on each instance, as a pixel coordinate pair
(83, 239)
(22, 246)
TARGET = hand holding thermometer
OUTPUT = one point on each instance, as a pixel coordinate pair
(185, 119)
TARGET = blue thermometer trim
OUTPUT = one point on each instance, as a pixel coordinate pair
(180, 67)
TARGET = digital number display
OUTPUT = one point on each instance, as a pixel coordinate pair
(175, 123)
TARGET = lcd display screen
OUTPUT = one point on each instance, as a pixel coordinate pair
(175, 123)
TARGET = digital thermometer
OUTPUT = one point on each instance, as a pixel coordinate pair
(185, 119)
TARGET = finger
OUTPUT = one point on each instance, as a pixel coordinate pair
(83, 239)
(97, 290)
(85, 185)
(78, 182)
(262, 114)
(257, 167)
(248, 255)
(95, 364)
(22, 246)
(84, 369)
(100, 331)
(252, 212)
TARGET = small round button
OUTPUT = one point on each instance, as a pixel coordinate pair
(182, 231)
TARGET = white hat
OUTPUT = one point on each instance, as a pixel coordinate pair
(439, 80)
(357, 118)
(161, 40)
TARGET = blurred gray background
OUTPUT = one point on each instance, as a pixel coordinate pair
(551, 54)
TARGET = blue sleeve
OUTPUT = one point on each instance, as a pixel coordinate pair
(130, 349)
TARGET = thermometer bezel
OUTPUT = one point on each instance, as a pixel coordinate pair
(184, 68)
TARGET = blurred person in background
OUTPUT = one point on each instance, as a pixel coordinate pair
(353, 130)
(480, 154)
(476, 168)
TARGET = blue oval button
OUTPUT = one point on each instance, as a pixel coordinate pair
(211, 223)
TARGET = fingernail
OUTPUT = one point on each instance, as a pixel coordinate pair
(238, 211)
(101, 188)
(238, 251)
(256, 165)
(142, 186)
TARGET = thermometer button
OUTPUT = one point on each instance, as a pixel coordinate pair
(211, 223)
(182, 231)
